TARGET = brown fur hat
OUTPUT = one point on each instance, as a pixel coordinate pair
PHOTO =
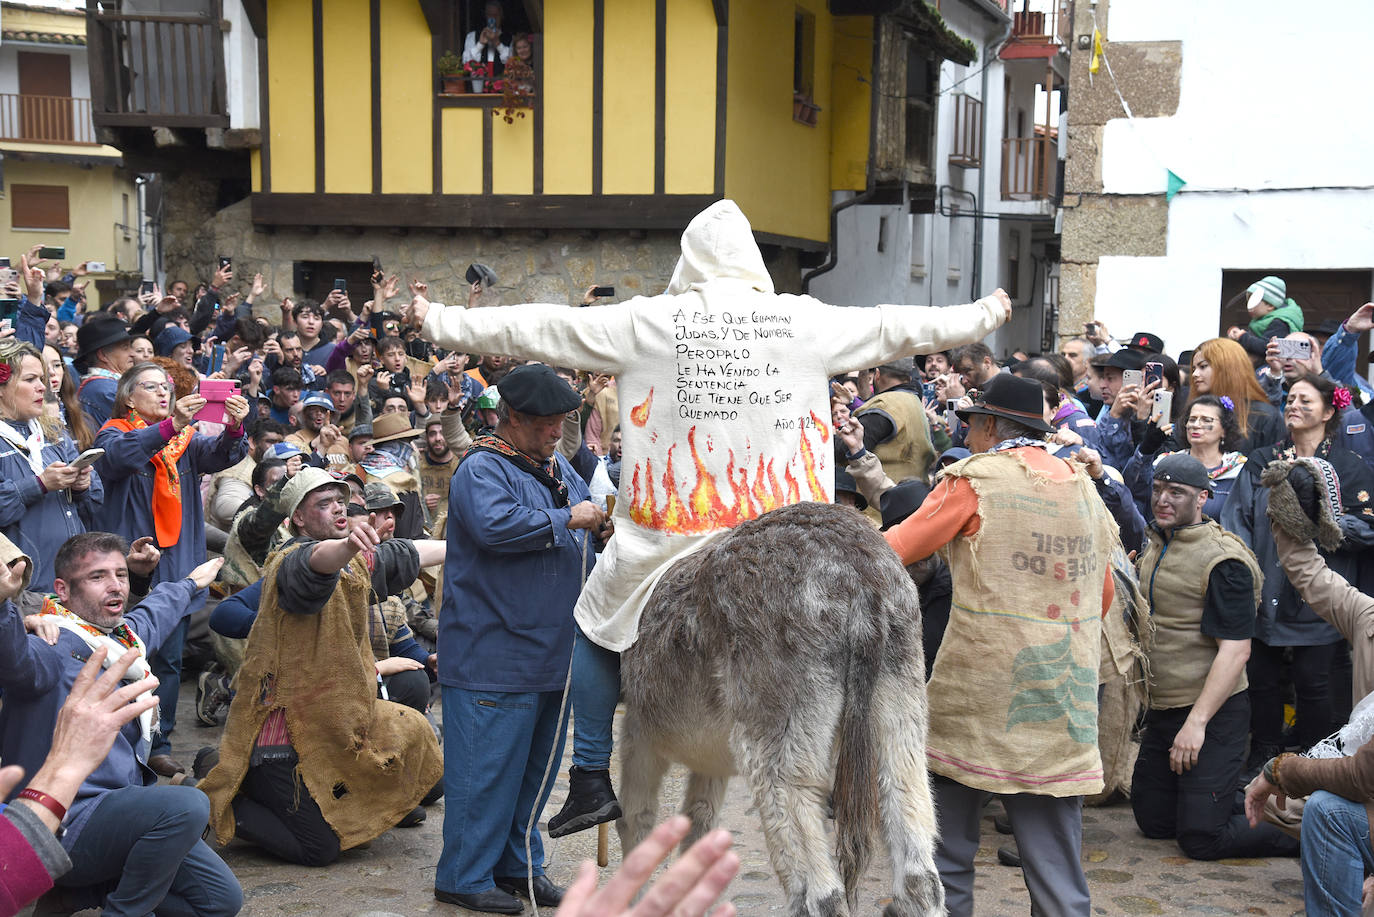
(1286, 508)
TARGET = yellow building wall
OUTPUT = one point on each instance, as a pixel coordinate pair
(462, 149)
(347, 97)
(407, 97)
(291, 95)
(95, 204)
(627, 98)
(777, 169)
(690, 98)
(567, 97)
(851, 102)
(512, 154)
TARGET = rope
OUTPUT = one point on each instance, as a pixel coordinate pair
(562, 721)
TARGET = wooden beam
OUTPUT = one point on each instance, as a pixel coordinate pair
(722, 8)
(434, 15)
(480, 211)
(256, 11)
(534, 11)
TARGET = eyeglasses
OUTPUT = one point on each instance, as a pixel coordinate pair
(155, 386)
(1204, 422)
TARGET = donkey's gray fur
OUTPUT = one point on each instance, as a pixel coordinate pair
(790, 650)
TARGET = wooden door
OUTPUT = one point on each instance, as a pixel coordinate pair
(45, 96)
(1322, 295)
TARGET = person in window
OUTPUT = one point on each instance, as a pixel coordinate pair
(487, 49)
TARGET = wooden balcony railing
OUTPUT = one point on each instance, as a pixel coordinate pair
(153, 70)
(1029, 168)
(1050, 27)
(967, 150)
(45, 119)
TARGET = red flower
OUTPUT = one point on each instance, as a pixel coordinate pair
(5, 372)
(1340, 398)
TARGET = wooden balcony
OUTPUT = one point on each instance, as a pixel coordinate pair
(1029, 169)
(1041, 26)
(967, 150)
(154, 70)
(46, 119)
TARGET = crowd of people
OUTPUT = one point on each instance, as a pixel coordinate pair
(332, 515)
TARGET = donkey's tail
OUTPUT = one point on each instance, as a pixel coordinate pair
(855, 795)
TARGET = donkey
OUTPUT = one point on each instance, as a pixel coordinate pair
(789, 649)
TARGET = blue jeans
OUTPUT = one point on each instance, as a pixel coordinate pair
(1335, 854)
(147, 838)
(496, 748)
(166, 665)
(595, 692)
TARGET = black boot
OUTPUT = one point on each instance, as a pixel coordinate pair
(590, 801)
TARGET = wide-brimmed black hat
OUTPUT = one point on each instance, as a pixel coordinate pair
(98, 333)
(1125, 358)
(1145, 342)
(1012, 397)
(845, 484)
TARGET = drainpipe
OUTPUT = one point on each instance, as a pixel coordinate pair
(982, 170)
(833, 258)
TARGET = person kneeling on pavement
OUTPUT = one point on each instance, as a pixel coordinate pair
(1204, 588)
(312, 762)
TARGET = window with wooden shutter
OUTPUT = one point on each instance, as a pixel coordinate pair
(39, 207)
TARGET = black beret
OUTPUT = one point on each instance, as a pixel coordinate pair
(1182, 468)
(535, 389)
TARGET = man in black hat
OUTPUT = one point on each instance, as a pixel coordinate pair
(1204, 588)
(104, 351)
(1145, 342)
(521, 543)
(1117, 431)
(1029, 545)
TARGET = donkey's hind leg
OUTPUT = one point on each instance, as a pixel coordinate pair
(641, 775)
(789, 774)
(702, 805)
(906, 808)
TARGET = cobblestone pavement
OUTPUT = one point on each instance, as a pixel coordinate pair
(1127, 873)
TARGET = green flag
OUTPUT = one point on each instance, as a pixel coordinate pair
(1175, 185)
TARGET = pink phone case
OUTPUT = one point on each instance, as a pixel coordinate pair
(215, 392)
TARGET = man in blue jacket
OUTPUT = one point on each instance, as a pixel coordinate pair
(520, 545)
(122, 830)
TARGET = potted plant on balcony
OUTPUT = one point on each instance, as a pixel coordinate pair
(516, 86)
(451, 74)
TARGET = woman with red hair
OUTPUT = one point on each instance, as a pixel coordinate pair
(1221, 367)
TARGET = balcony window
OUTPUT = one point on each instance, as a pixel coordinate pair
(482, 66)
(966, 150)
(922, 76)
(39, 207)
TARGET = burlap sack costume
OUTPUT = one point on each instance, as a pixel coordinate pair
(1013, 693)
(1122, 675)
(366, 762)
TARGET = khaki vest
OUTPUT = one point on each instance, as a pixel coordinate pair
(1013, 692)
(366, 762)
(607, 404)
(1174, 575)
(908, 454)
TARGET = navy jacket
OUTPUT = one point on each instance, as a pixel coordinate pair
(37, 678)
(127, 474)
(39, 522)
(513, 575)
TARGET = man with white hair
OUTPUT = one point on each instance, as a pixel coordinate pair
(724, 407)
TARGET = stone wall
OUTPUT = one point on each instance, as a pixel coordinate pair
(1097, 224)
(554, 266)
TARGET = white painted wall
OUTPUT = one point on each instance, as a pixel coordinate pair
(240, 68)
(1248, 127)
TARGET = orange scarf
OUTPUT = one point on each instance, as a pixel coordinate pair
(166, 480)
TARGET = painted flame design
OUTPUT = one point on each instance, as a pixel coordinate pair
(639, 414)
(753, 489)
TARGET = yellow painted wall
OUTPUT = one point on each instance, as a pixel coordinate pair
(690, 100)
(255, 170)
(851, 102)
(462, 149)
(567, 97)
(407, 96)
(291, 95)
(777, 169)
(95, 206)
(512, 155)
(627, 135)
(347, 97)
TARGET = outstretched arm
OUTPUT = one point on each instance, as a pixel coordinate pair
(865, 337)
(598, 339)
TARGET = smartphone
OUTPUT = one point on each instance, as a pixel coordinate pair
(928, 391)
(1163, 406)
(1091, 328)
(4, 262)
(340, 285)
(9, 308)
(216, 358)
(95, 267)
(87, 458)
(146, 288)
(57, 252)
(1294, 350)
(603, 291)
(1154, 372)
(225, 261)
(491, 23)
(1132, 377)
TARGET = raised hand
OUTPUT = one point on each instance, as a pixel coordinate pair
(143, 556)
(1361, 320)
(205, 574)
(12, 579)
(185, 408)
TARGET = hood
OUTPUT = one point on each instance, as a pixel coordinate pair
(717, 244)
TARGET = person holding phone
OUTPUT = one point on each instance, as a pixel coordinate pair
(153, 458)
(44, 499)
(487, 48)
